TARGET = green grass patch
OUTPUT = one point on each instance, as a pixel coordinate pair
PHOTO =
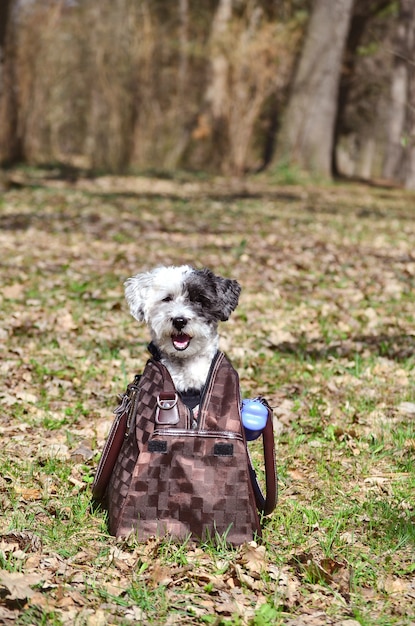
(324, 330)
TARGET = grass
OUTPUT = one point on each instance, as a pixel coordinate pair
(324, 330)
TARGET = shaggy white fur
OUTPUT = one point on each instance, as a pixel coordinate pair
(182, 307)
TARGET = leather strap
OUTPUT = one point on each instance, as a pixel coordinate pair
(270, 467)
(167, 412)
(114, 442)
(266, 504)
(168, 385)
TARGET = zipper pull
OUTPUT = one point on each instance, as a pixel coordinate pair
(195, 416)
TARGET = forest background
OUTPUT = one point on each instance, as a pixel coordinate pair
(210, 109)
(228, 86)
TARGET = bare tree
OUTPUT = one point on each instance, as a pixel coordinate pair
(363, 15)
(174, 155)
(307, 131)
(410, 151)
(211, 131)
(400, 151)
(6, 7)
(217, 93)
(247, 63)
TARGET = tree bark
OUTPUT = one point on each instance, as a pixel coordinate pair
(10, 146)
(5, 7)
(362, 14)
(307, 131)
(174, 156)
(399, 161)
(210, 134)
(410, 152)
(217, 92)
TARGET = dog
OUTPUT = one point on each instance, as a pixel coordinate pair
(182, 307)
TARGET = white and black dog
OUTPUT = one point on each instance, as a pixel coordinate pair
(182, 307)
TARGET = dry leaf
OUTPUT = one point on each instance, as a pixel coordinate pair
(26, 396)
(27, 541)
(13, 292)
(122, 560)
(82, 453)
(407, 408)
(64, 321)
(98, 618)
(17, 586)
(135, 615)
(297, 474)
(161, 575)
(55, 451)
(41, 600)
(28, 493)
(8, 616)
(253, 558)
(393, 585)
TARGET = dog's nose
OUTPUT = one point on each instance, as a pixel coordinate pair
(179, 322)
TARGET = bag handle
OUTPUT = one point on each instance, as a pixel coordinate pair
(118, 432)
(266, 504)
(114, 441)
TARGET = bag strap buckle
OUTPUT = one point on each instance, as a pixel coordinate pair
(167, 412)
(166, 400)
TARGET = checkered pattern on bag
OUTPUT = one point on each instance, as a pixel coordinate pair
(222, 411)
(189, 489)
(194, 481)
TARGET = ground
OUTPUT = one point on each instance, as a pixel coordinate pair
(324, 329)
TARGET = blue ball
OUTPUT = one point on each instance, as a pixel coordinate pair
(254, 418)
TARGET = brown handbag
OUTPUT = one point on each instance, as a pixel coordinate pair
(162, 472)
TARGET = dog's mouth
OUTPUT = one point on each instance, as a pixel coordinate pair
(181, 341)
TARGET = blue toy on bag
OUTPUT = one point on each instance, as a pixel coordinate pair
(254, 417)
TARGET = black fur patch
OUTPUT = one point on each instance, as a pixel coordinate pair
(212, 297)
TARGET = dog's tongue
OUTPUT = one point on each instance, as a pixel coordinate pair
(181, 341)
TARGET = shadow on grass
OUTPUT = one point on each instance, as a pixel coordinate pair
(399, 347)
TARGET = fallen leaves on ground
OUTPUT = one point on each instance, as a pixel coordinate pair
(324, 330)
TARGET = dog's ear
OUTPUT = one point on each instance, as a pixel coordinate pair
(228, 295)
(136, 293)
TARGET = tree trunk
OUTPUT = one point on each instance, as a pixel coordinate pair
(400, 158)
(174, 156)
(8, 119)
(307, 131)
(362, 14)
(211, 133)
(410, 152)
(217, 93)
(5, 7)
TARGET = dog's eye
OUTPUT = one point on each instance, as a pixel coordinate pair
(167, 299)
(199, 298)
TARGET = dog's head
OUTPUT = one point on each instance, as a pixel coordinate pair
(182, 306)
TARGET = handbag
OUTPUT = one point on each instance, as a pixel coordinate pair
(166, 470)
